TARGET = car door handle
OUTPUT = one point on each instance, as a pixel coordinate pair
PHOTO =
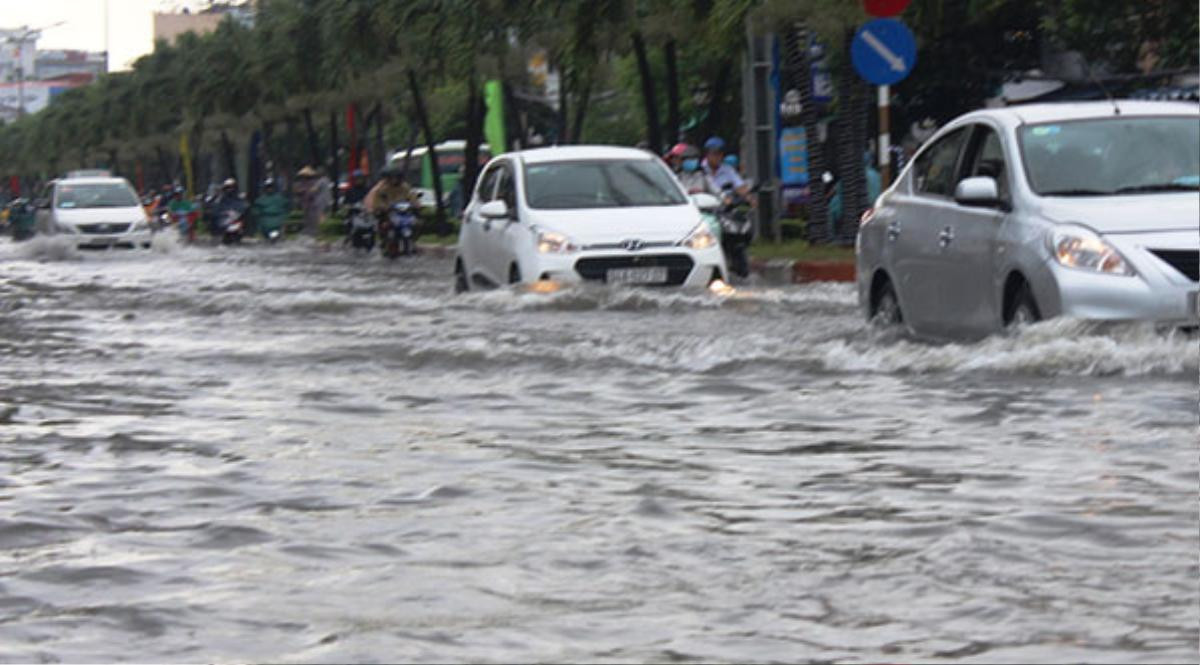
(946, 237)
(893, 230)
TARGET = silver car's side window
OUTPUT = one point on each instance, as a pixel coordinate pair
(989, 161)
(935, 168)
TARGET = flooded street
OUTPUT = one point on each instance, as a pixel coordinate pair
(288, 454)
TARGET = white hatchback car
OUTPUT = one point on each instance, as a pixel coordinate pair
(584, 214)
(99, 212)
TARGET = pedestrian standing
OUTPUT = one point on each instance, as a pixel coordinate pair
(307, 192)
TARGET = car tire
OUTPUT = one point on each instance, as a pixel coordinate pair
(514, 274)
(1023, 310)
(462, 284)
(887, 313)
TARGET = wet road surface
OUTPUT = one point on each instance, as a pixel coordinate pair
(288, 454)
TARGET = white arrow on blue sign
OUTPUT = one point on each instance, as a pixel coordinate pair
(883, 51)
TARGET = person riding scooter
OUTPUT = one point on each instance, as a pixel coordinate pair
(228, 205)
(386, 193)
(270, 211)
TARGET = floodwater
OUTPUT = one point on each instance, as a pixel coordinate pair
(287, 454)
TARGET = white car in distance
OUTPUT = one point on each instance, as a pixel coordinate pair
(97, 212)
(577, 214)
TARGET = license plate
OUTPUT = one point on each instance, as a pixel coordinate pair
(102, 241)
(651, 275)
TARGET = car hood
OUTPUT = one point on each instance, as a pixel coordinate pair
(600, 225)
(1139, 213)
(99, 215)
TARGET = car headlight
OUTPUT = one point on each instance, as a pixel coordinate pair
(700, 238)
(1080, 248)
(63, 227)
(141, 225)
(553, 242)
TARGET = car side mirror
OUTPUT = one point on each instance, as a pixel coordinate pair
(705, 201)
(497, 209)
(979, 192)
(42, 204)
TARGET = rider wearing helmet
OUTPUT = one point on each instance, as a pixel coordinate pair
(390, 189)
(228, 200)
(723, 175)
(183, 213)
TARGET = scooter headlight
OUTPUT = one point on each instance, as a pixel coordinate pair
(700, 238)
(1080, 248)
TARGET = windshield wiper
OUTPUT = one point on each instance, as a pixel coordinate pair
(1158, 187)
(1076, 192)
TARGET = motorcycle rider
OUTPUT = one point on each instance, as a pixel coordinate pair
(228, 200)
(390, 189)
(183, 212)
(721, 174)
(270, 210)
(692, 176)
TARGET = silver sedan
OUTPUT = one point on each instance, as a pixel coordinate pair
(1011, 215)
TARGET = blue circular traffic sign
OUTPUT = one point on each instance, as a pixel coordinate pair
(883, 51)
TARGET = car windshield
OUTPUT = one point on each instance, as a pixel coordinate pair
(607, 183)
(1111, 156)
(95, 195)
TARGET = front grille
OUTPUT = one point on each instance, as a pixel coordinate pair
(678, 266)
(1186, 261)
(103, 228)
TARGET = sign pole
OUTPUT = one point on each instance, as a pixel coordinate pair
(884, 143)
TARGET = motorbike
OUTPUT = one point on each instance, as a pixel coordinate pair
(360, 230)
(737, 231)
(233, 227)
(398, 230)
(21, 217)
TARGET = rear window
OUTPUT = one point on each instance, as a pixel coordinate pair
(609, 183)
(95, 195)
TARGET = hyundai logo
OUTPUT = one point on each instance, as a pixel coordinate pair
(632, 245)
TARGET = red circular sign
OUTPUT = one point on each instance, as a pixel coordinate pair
(885, 8)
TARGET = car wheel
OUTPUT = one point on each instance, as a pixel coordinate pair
(461, 283)
(887, 308)
(514, 274)
(1023, 310)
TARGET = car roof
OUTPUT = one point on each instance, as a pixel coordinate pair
(92, 180)
(1065, 111)
(580, 152)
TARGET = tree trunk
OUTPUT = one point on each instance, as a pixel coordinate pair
(672, 135)
(333, 159)
(581, 105)
(800, 77)
(653, 131)
(441, 227)
(475, 113)
(314, 142)
(230, 157)
(562, 116)
(854, 102)
(712, 122)
(164, 169)
(512, 118)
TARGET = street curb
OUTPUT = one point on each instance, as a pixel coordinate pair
(437, 251)
(786, 271)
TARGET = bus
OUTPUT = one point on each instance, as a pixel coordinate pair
(419, 175)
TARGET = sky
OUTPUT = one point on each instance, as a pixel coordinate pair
(130, 27)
